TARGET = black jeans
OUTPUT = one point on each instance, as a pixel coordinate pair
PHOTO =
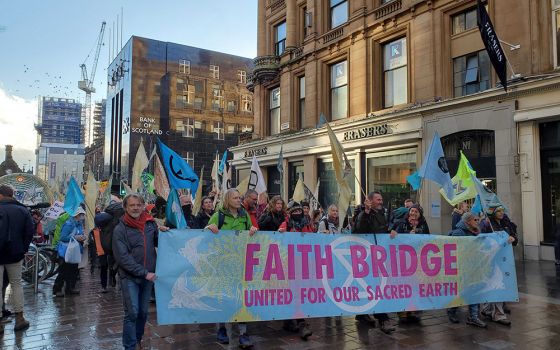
(68, 273)
(106, 263)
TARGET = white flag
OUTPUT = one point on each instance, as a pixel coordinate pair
(256, 179)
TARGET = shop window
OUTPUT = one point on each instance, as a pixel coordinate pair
(274, 111)
(328, 188)
(471, 73)
(479, 148)
(338, 13)
(280, 38)
(556, 31)
(339, 90)
(301, 105)
(395, 72)
(387, 172)
(184, 66)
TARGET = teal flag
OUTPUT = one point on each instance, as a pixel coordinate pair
(174, 212)
(179, 172)
(74, 197)
(434, 167)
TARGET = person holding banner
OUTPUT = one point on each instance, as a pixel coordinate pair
(372, 219)
(329, 223)
(232, 216)
(206, 211)
(134, 249)
(274, 215)
(412, 223)
(250, 205)
(497, 220)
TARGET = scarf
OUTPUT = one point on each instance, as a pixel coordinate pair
(139, 223)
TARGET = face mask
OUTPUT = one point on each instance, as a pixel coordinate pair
(297, 217)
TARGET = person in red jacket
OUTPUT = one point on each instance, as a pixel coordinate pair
(296, 221)
(250, 205)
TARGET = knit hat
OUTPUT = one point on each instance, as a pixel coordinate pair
(293, 205)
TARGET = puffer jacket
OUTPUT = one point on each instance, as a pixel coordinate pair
(134, 251)
(16, 231)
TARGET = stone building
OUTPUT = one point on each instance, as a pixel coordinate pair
(194, 100)
(387, 75)
(94, 152)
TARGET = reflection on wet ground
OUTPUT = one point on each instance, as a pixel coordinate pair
(93, 320)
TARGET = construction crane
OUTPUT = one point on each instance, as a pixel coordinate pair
(86, 84)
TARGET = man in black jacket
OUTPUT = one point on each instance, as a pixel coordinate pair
(372, 220)
(16, 233)
(134, 250)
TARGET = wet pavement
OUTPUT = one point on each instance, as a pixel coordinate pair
(93, 320)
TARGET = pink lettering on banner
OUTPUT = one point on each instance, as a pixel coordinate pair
(326, 261)
(304, 249)
(434, 260)
(450, 259)
(378, 261)
(404, 251)
(273, 264)
(358, 255)
(393, 254)
(250, 260)
(291, 263)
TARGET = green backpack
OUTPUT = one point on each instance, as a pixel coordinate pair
(59, 223)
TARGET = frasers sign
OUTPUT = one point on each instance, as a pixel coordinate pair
(368, 131)
(148, 126)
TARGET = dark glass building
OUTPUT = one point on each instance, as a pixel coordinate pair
(194, 100)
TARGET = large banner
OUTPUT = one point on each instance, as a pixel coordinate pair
(232, 277)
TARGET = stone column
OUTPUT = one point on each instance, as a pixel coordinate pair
(261, 28)
(291, 24)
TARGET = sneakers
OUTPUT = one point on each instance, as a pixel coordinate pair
(245, 341)
(385, 327)
(476, 322)
(366, 319)
(304, 330)
(222, 336)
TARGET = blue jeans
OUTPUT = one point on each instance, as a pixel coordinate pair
(136, 298)
(473, 311)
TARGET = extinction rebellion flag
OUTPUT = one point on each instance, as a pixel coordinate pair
(492, 43)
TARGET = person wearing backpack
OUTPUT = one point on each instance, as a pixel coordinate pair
(68, 275)
(113, 214)
(232, 216)
(16, 233)
(329, 223)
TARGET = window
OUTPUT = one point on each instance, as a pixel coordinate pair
(181, 101)
(274, 111)
(184, 66)
(215, 71)
(339, 90)
(219, 130)
(157, 87)
(188, 127)
(246, 103)
(301, 106)
(556, 29)
(464, 21)
(306, 20)
(338, 12)
(155, 103)
(246, 128)
(181, 85)
(217, 99)
(231, 106)
(190, 93)
(242, 75)
(231, 129)
(198, 103)
(280, 39)
(395, 73)
(471, 73)
(190, 159)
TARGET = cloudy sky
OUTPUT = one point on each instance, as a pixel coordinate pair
(44, 42)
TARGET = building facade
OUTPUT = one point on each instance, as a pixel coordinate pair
(388, 75)
(94, 152)
(60, 148)
(194, 100)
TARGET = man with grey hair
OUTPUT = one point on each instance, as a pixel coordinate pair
(468, 226)
(250, 205)
(134, 249)
(16, 233)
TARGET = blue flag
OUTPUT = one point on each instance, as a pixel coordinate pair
(322, 121)
(174, 212)
(74, 197)
(414, 180)
(435, 168)
(477, 206)
(486, 198)
(179, 172)
(223, 163)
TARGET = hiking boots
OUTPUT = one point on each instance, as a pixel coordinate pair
(21, 323)
(477, 322)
